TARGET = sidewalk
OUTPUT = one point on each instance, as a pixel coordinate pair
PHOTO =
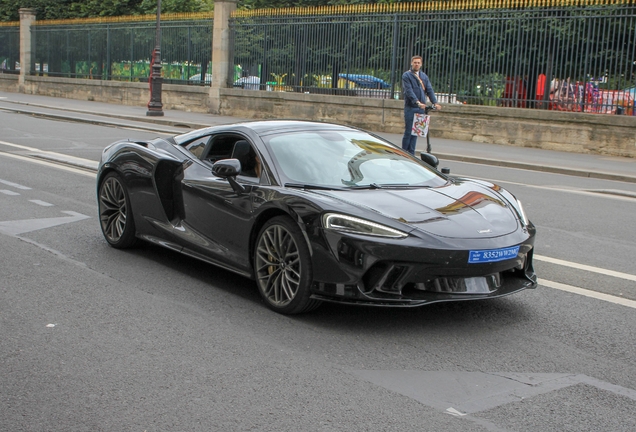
(585, 165)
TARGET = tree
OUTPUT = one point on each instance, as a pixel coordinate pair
(262, 4)
(62, 9)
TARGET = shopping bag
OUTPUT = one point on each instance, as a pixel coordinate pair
(420, 124)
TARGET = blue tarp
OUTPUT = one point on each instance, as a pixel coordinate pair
(366, 81)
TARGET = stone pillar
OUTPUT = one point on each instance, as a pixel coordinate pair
(220, 51)
(27, 18)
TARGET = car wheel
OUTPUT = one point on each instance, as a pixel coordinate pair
(115, 214)
(282, 267)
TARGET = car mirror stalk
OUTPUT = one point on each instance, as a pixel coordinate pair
(238, 188)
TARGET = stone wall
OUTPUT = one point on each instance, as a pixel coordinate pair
(8, 82)
(574, 132)
(179, 97)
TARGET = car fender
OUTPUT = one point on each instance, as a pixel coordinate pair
(279, 208)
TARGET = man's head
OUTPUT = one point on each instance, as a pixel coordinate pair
(416, 63)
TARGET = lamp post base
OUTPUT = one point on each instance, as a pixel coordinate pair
(155, 107)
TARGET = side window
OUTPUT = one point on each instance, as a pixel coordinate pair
(250, 162)
(234, 147)
(197, 146)
(219, 148)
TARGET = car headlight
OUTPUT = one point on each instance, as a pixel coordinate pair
(355, 225)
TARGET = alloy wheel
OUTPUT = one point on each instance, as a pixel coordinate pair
(278, 265)
(113, 210)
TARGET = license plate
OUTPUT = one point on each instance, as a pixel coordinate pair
(492, 255)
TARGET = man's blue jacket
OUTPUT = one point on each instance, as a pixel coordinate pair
(413, 91)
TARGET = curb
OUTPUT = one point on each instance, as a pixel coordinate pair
(68, 160)
(542, 168)
(154, 120)
(93, 121)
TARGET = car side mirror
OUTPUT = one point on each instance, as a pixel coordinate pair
(229, 169)
(226, 168)
(429, 159)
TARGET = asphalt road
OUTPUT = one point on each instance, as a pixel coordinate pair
(93, 338)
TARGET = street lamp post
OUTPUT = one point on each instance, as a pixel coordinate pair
(155, 107)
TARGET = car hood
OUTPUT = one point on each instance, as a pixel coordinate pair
(457, 210)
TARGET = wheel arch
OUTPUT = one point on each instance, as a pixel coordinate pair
(265, 216)
(104, 171)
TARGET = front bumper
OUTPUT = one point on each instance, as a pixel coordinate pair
(359, 270)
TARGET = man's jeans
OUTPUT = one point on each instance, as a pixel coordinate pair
(409, 141)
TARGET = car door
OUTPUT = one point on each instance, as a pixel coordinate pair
(219, 216)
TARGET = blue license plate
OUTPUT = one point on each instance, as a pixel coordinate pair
(492, 255)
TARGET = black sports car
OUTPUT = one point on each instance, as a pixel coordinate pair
(317, 212)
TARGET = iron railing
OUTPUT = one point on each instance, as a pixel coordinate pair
(489, 52)
(572, 58)
(122, 51)
(10, 49)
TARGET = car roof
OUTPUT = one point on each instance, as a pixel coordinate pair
(263, 128)
(267, 127)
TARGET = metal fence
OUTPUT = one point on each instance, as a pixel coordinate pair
(487, 52)
(10, 49)
(122, 51)
(574, 58)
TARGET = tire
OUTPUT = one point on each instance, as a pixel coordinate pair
(282, 267)
(115, 215)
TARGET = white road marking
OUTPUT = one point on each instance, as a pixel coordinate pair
(453, 411)
(49, 164)
(17, 227)
(21, 146)
(598, 194)
(598, 270)
(72, 160)
(9, 192)
(42, 203)
(15, 185)
(588, 293)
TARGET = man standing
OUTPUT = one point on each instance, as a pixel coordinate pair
(416, 86)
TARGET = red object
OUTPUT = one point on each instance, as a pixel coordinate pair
(514, 93)
(541, 86)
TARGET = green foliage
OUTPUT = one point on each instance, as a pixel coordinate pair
(62, 9)
(46, 8)
(173, 6)
(99, 8)
(263, 4)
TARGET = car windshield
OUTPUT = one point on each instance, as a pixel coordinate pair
(347, 159)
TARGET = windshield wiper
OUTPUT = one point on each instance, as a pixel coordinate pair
(312, 186)
(352, 185)
(380, 186)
